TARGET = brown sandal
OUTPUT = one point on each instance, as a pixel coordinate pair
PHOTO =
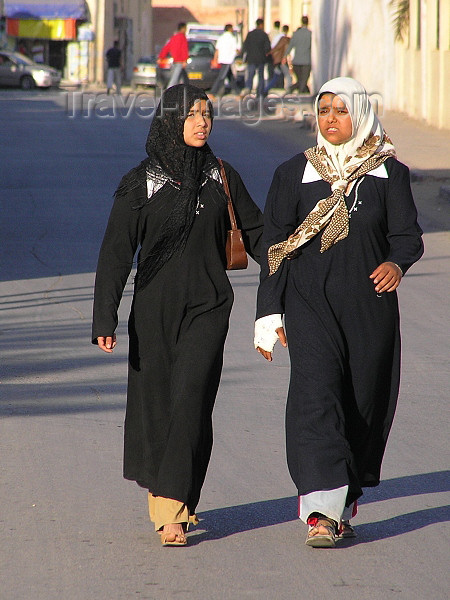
(173, 539)
(346, 530)
(322, 540)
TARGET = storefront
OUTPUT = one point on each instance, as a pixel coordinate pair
(43, 31)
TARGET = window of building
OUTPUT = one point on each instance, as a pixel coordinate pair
(438, 23)
(419, 24)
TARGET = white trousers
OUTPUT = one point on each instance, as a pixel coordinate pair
(330, 503)
(114, 77)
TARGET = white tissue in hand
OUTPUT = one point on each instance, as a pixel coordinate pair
(265, 332)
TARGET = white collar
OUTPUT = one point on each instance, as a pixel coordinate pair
(380, 171)
(310, 174)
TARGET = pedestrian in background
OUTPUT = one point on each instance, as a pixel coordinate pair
(281, 70)
(255, 49)
(301, 61)
(172, 207)
(114, 76)
(337, 293)
(22, 48)
(178, 49)
(225, 53)
(274, 36)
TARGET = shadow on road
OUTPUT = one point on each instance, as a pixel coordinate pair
(223, 522)
(381, 530)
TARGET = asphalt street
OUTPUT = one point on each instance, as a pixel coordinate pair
(71, 528)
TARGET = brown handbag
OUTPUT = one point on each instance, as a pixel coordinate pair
(235, 249)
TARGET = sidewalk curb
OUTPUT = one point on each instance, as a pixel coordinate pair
(419, 176)
(444, 192)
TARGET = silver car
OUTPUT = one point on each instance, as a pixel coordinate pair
(144, 73)
(18, 70)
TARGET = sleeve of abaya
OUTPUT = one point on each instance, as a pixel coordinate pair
(404, 234)
(280, 221)
(248, 216)
(114, 265)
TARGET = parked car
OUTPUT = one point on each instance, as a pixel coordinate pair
(144, 73)
(201, 70)
(18, 70)
(210, 32)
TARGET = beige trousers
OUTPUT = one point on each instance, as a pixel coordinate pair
(163, 511)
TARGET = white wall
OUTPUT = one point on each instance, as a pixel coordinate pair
(354, 38)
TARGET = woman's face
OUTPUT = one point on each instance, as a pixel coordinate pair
(197, 125)
(335, 122)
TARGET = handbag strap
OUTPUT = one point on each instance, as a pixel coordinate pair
(227, 191)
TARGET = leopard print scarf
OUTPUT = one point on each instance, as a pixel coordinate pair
(339, 165)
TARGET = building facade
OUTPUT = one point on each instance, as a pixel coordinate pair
(74, 35)
(423, 63)
(411, 75)
(357, 39)
(354, 38)
(129, 22)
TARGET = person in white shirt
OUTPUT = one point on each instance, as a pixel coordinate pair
(281, 76)
(275, 34)
(226, 49)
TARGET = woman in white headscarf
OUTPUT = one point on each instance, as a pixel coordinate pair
(340, 232)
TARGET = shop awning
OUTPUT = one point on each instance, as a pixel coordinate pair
(36, 9)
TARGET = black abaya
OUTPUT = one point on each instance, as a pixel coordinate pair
(177, 330)
(343, 337)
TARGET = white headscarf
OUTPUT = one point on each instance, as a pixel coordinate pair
(366, 125)
(339, 165)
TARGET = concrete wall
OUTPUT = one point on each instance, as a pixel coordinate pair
(354, 39)
(165, 22)
(423, 64)
(130, 22)
(202, 11)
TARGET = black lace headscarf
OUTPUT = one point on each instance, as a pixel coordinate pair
(183, 164)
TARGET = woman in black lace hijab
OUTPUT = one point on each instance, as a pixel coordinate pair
(169, 156)
(172, 209)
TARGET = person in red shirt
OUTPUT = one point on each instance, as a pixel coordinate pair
(177, 47)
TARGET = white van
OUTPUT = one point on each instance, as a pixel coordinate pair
(210, 32)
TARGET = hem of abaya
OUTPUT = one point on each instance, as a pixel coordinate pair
(150, 486)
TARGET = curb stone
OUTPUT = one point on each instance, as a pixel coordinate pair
(444, 192)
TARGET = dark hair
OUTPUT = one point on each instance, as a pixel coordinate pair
(285, 28)
(276, 23)
(181, 26)
(259, 22)
(305, 20)
(228, 27)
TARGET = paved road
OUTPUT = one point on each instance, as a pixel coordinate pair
(71, 527)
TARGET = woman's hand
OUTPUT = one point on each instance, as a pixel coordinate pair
(107, 344)
(282, 338)
(386, 277)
